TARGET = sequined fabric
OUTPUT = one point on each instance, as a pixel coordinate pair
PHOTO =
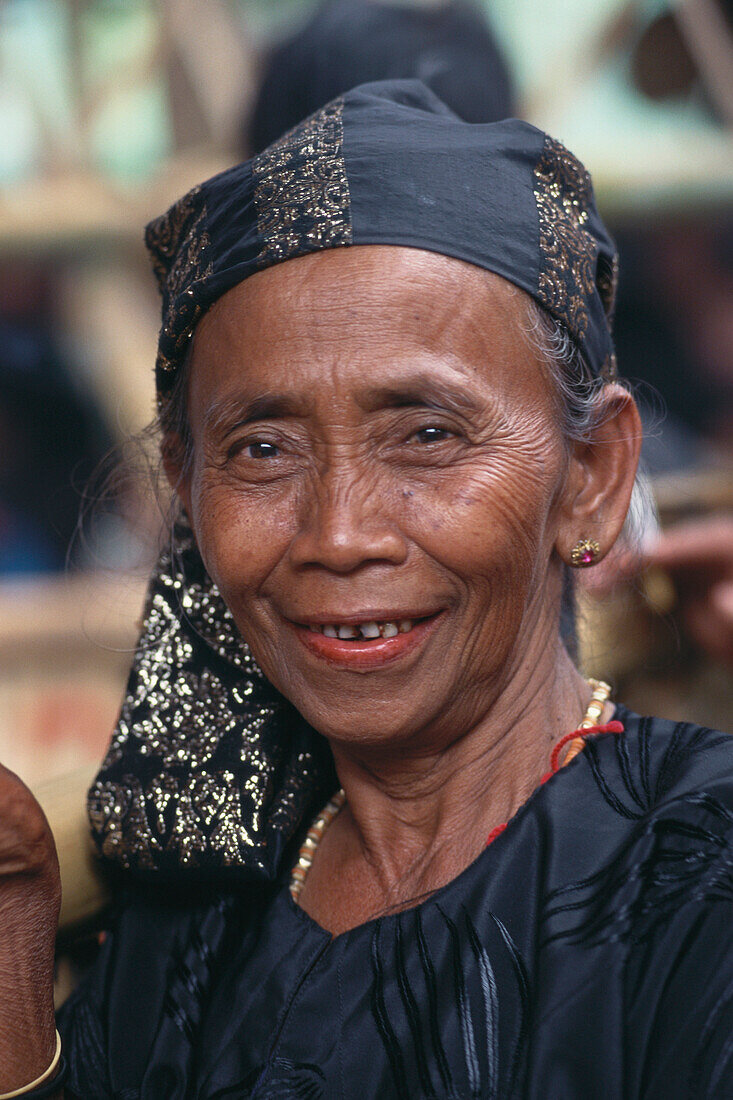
(563, 192)
(209, 767)
(301, 189)
(178, 243)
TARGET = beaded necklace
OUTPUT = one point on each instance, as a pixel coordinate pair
(574, 742)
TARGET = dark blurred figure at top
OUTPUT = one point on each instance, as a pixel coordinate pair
(448, 46)
(52, 435)
(674, 319)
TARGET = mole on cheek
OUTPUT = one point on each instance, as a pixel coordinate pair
(408, 494)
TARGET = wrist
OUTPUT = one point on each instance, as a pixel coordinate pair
(26, 1054)
(27, 1022)
(47, 1084)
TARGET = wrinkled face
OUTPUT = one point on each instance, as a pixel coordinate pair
(375, 487)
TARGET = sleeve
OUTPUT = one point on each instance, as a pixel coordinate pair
(110, 1023)
(130, 1028)
(679, 975)
(81, 1026)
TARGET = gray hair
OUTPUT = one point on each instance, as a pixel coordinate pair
(580, 408)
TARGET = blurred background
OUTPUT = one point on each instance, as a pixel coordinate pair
(110, 109)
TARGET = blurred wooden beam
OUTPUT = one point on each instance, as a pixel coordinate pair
(709, 38)
(211, 71)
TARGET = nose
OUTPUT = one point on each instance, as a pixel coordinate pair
(346, 525)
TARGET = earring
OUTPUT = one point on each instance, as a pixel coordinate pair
(584, 553)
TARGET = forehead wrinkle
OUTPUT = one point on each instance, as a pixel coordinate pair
(459, 315)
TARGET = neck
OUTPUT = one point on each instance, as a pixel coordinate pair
(414, 815)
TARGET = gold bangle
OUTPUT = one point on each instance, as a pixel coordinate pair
(39, 1080)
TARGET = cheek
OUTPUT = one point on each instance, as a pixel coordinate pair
(241, 536)
(494, 520)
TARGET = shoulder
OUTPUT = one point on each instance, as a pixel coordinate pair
(643, 829)
(635, 931)
(656, 762)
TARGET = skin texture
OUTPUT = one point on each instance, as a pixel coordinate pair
(30, 898)
(372, 430)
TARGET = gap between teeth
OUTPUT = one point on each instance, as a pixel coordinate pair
(360, 631)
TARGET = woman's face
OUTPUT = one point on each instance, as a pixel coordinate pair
(377, 447)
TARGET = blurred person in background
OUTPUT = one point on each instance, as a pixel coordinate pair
(675, 330)
(52, 434)
(675, 337)
(675, 316)
(448, 45)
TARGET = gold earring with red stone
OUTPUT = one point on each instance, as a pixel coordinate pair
(584, 553)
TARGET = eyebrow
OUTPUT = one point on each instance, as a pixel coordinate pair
(224, 415)
(421, 391)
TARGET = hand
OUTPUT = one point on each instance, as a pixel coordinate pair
(699, 557)
(30, 897)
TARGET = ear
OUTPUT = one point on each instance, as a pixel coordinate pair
(600, 476)
(173, 454)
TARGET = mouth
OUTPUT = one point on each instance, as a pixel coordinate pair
(369, 642)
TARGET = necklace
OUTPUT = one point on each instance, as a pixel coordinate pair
(574, 742)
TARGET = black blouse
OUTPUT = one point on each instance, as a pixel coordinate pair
(585, 953)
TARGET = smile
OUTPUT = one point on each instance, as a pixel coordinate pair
(368, 644)
(361, 631)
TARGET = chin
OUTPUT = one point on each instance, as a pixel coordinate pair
(374, 720)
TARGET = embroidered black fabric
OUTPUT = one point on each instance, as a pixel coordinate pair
(585, 953)
(210, 770)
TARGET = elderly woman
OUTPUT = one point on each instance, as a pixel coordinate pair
(353, 864)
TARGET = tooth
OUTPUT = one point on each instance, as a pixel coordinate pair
(405, 626)
(315, 628)
(330, 631)
(348, 632)
(370, 630)
(389, 630)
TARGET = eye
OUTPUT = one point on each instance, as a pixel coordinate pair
(261, 449)
(432, 434)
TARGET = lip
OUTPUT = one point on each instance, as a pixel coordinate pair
(370, 653)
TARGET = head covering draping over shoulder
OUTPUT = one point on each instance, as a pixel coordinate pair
(210, 769)
(389, 163)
